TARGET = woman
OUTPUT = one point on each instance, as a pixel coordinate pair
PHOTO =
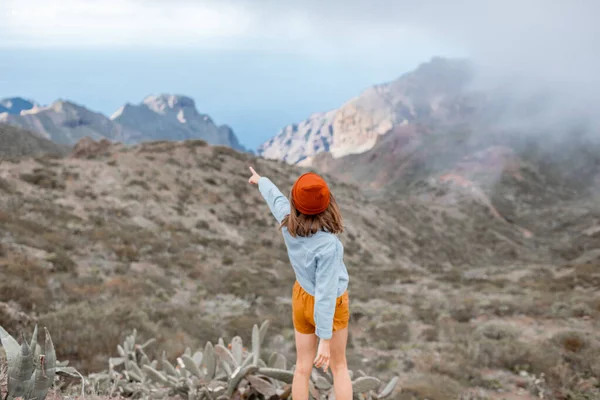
(309, 222)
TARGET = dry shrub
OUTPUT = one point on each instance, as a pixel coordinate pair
(430, 387)
(140, 183)
(187, 260)
(126, 241)
(241, 282)
(49, 159)
(580, 351)
(34, 234)
(197, 273)
(26, 268)
(388, 335)
(87, 332)
(229, 152)
(575, 309)
(462, 308)
(82, 288)
(29, 298)
(227, 260)
(58, 241)
(571, 341)
(44, 178)
(158, 146)
(174, 161)
(193, 143)
(126, 252)
(579, 310)
(594, 303)
(567, 359)
(25, 282)
(202, 224)
(495, 330)
(6, 186)
(85, 193)
(456, 333)
(570, 361)
(62, 262)
(186, 319)
(506, 307)
(426, 309)
(14, 321)
(131, 287)
(430, 333)
(211, 181)
(4, 217)
(455, 364)
(495, 344)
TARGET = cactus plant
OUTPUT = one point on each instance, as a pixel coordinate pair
(31, 370)
(218, 372)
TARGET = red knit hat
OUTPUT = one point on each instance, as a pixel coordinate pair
(310, 194)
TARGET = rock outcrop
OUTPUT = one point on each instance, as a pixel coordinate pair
(174, 117)
(65, 122)
(428, 93)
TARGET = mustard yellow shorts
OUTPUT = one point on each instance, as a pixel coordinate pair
(303, 306)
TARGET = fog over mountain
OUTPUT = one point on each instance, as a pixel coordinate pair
(529, 49)
(538, 61)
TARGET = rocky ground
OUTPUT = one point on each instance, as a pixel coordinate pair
(169, 238)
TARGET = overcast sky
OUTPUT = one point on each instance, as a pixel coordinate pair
(258, 65)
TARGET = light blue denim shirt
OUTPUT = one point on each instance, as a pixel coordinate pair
(317, 261)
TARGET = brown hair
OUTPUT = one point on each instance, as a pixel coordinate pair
(299, 224)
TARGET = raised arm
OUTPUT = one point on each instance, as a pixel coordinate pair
(277, 202)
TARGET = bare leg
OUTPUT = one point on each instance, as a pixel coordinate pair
(306, 349)
(342, 385)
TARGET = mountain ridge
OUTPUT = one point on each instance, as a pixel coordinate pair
(356, 125)
(176, 114)
(66, 122)
(157, 117)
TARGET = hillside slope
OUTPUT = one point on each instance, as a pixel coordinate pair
(15, 142)
(170, 238)
(518, 172)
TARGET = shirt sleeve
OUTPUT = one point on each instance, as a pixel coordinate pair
(277, 202)
(327, 278)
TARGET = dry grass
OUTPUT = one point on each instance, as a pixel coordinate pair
(430, 387)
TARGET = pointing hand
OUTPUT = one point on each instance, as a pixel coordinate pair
(255, 177)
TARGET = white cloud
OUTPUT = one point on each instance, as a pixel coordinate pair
(322, 28)
(118, 22)
(553, 40)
